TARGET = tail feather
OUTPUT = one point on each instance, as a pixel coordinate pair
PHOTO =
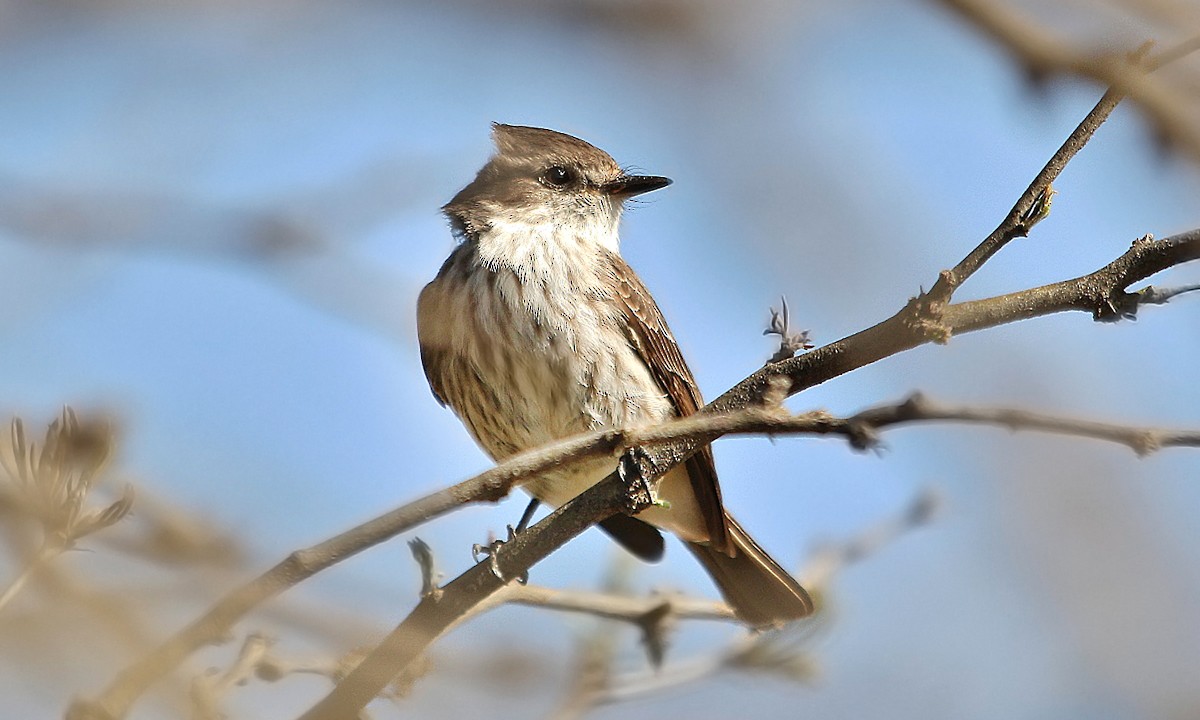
(638, 537)
(761, 592)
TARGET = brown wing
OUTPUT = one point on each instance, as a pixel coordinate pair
(436, 311)
(429, 338)
(653, 341)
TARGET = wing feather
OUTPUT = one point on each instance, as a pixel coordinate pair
(650, 337)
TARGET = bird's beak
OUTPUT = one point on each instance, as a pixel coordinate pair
(627, 186)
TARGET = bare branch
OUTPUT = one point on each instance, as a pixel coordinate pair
(628, 609)
(828, 559)
(431, 618)
(210, 688)
(862, 429)
(1101, 293)
(214, 625)
(1034, 203)
(783, 652)
(1142, 441)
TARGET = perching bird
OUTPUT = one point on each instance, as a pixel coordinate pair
(536, 329)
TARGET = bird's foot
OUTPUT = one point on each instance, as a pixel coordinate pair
(633, 468)
(491, 551)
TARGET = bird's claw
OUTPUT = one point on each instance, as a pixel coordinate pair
(490, 551)
(632, 471)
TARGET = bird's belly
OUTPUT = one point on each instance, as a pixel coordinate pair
(556, 372)
(550, 390)
(550, 394)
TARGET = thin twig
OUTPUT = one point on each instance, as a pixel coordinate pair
(609, 606)
(782, 652)
(595, 651)
(1018, 221)
(1022, 216)
(1151, 295)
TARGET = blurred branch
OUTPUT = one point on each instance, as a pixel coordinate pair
(211, 687)
(654, 616)
(1043, 54)
(33, 564)
(214, 625)
(831, 558)
(1167, 13)
(596, 651)
(256, 660)
(298, 244)
(638, 611)
(783, 652)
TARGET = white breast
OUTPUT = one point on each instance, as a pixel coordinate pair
(551, 349)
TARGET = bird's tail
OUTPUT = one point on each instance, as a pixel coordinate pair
(761, 592)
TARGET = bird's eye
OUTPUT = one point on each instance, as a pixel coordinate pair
(558, 176)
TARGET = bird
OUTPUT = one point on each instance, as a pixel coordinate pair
(535, 328)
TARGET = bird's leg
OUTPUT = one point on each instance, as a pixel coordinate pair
(526, 516)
